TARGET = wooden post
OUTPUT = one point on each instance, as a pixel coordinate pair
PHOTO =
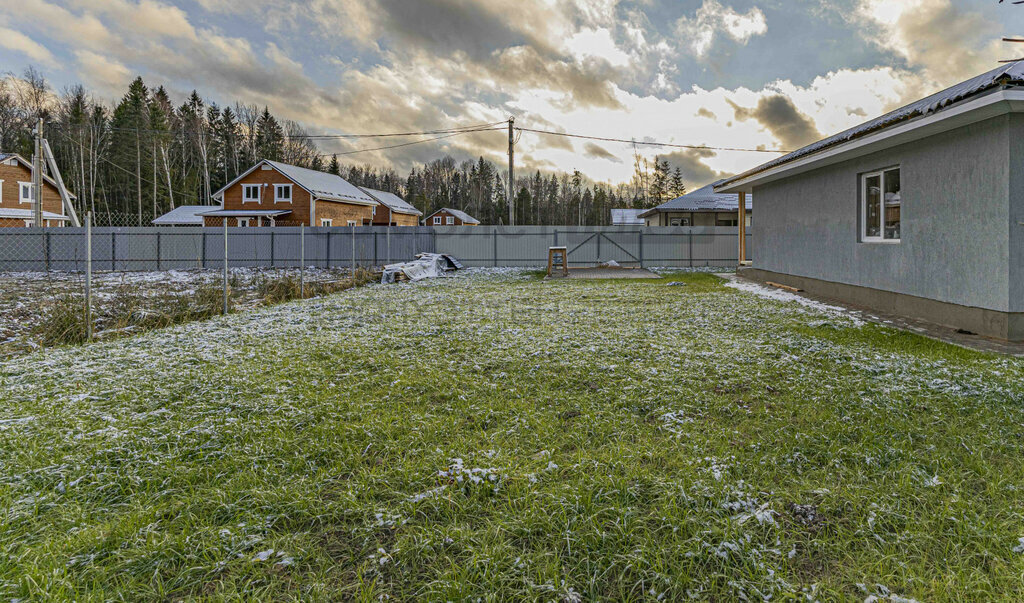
(743, 228)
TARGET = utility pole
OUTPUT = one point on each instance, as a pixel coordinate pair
(138, 172)
(37, 177)
(511, 172)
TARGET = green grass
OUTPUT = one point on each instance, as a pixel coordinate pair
(506, 438)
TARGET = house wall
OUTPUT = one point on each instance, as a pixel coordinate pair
(397, 219)
(1016, 223)
(341, 213)
(955, 207)
(267, 177)
(11, 175)
(705, 218)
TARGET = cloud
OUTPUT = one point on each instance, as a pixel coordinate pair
(780, 116)
(102, 71)
(19, 42)
(695, 172)
(597, 43)
(595, 151)
(949, 42)
(713, 19)
(704, 112)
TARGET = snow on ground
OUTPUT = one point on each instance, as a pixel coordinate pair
(782, 295)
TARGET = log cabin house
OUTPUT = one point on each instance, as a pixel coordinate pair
(272, 193)
(393, 210)
(16, 206)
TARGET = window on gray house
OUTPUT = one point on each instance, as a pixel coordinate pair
(880, 206)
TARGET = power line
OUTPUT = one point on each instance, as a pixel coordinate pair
(651, 144)
(406, 144)
(132, 173)
(454, 130)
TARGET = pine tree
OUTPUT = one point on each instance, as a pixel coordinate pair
(269, 137)
(677, 186)
(335, 168)
(129, 146)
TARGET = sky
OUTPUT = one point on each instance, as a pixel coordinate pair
(751, 74)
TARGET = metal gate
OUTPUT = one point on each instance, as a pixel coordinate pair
(589, 248)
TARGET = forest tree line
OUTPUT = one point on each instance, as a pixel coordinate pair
(145, 156)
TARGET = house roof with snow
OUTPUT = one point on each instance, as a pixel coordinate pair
(627, 216)
(949, 103)
(28, 214)
(321, 185)
(392, 202)
(458, 213)
(702, 199)
(184, 215)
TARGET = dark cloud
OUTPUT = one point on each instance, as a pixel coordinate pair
(448, 26)
(584, 85)
(705, 112)
(781, 117)
(595, 151)
(695, 172)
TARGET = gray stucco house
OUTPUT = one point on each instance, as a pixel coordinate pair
(919, 212)
(702, 207)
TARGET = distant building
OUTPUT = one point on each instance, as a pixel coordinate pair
(447, 216)
(271, 193)
(393, 210)
(16, 206)
(702, 207)
(184, 215)
(627, 217)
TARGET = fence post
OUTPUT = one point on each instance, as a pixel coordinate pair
(495, 238)
(327, 256)
(302, 261)
(158, 251)
(202, 252)
(689, 236)
(389, 243)
(46, 250)
(113, 251)
(88, 276)
(374, 248)
(225, 221)
(640, 233)
(271, 246)
(353, 250)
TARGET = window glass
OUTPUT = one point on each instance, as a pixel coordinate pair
(325, 222)
(25, 192)
(891, 198)
(450, 220)
(437, 219)
(283, 192)
(873, 206)
(251, 192)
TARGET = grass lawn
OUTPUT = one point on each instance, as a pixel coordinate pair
(501, 437)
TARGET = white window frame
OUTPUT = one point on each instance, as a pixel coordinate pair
(277, 193)
(864, 238)
(437, 220)
(30, 223)
(353, 223)
(21, 191)
(242, 222)
(326, 222)
(449, 220)
(259, 193)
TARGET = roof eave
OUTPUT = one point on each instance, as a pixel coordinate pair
(958, 115)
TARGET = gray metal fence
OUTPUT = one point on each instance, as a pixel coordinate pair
(140, 249)
(136, 249)
(669, 246)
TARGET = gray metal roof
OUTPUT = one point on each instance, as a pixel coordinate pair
(627, 216)
(246, 213)
(183, 215)
(458, 213)
(702, 199)
(28, 214)
(324, 185)
(1011, 74)
(393, 201)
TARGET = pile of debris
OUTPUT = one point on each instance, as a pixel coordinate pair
(426, 265)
